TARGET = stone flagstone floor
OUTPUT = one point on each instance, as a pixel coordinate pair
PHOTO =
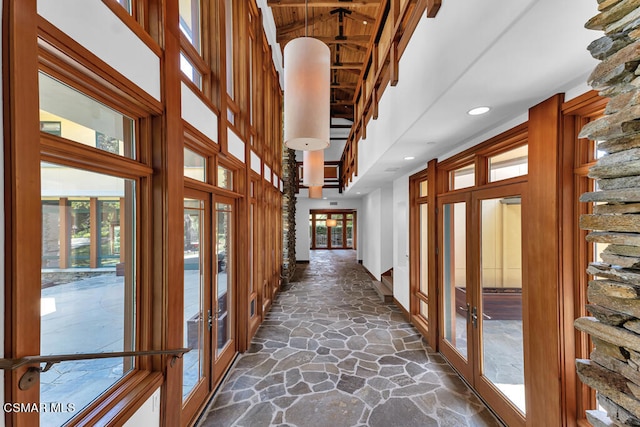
(331, 354)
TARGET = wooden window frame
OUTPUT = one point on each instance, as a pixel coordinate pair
(577, 156)
(26, 154)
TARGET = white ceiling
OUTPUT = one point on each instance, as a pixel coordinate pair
(507, 54)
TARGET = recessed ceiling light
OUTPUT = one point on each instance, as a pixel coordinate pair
(409, 158)
(365, 22)
(358, 192)
(478, 111)
(324, 198)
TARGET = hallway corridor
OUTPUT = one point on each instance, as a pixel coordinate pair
(331, 354)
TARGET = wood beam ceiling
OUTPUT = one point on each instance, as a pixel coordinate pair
(322, 3)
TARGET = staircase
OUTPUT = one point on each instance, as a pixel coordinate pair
(384, 288)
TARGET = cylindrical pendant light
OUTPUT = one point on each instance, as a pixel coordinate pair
(332, 222)
(307, 94)
(313, 168)
(315, 192)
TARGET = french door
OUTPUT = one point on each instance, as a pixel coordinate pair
(481, 278)
(332, 229)
(209, 295)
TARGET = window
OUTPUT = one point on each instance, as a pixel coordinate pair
(126, 4)
(192, 64)
(462, 177)
(88, 282)
(189, 70)
(194, 166)
(75, 116)
(225, 178)
(190, 22)
(509, 164)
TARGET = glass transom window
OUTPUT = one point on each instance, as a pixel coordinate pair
(72, 115)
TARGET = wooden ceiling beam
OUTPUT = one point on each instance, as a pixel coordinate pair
(322, 3)
(298, 25)
(361, 40)
(347, 66)
(361, 17)
(343, 85)
(342, 103)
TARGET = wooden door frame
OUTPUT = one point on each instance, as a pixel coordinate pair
(344, 212)
(464, 367)
(506, 410)
(197, 399)
(222, 362)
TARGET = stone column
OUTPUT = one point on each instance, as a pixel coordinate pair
(614, 294)
(290, 187)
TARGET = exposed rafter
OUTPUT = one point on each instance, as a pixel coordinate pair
(284, 32)
(356, 40)
(322, 3)
(347, 66)
(361, 17)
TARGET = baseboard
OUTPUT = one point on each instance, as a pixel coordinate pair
(405, 313)
(371, 276)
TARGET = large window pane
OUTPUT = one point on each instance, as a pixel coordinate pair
(88, 283)
(501, 261)
(190, 21)
(454, 267)
(73, 115)
(229, 31)
(224, 295)
(194, 321)
(424, 249)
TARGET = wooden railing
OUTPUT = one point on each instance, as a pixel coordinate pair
(395, 24)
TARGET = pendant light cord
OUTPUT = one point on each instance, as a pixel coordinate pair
(306, 15)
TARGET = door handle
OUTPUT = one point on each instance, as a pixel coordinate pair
(474, 317)
(209, 319)
(465, 309)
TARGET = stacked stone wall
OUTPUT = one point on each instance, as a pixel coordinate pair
(614, 293)
(290, 170)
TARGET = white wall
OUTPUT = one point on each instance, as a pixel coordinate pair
(149, 413)
(377, 231)
(401, 241)
(303, 208)
(93, 25)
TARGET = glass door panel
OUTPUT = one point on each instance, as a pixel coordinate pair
(336, 232)
(194, 279)
(349, 230)
(454, 271)
(501, 334)
(424, 250)
(224, 260)
(321, 231)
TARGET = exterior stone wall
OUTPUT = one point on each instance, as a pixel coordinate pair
(290, 169)
(614, 293)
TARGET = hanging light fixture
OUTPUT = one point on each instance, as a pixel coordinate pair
(307, 93)
(313, 168)
(315, 192)
(332, 222)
